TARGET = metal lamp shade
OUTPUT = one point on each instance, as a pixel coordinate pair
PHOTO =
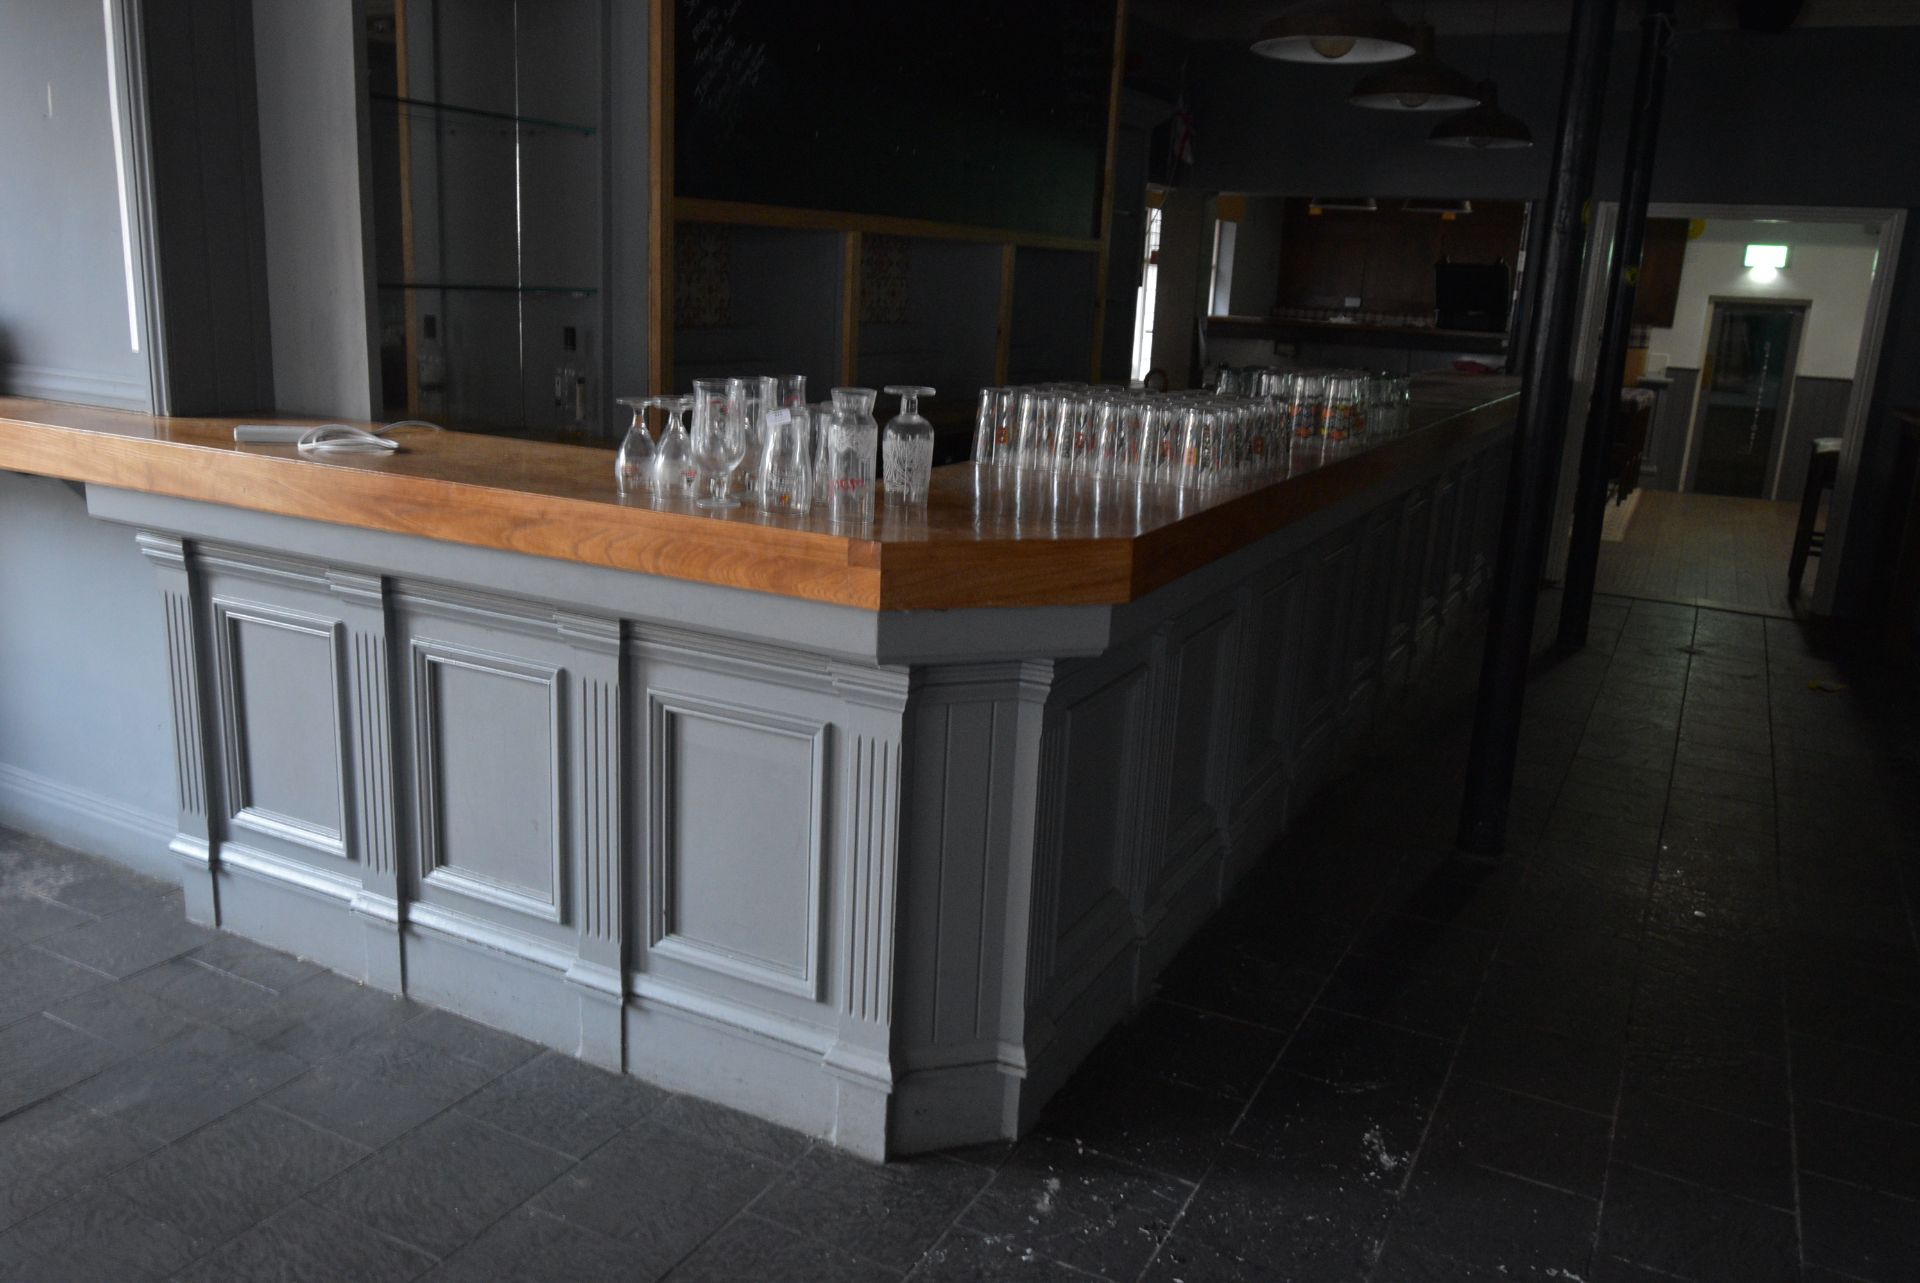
(1347, 32)
(1483, 128)
(1419, 83)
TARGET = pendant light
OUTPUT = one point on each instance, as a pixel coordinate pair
(1347, 32)
(1419, 83)
(1483, 128)
(1486, 127)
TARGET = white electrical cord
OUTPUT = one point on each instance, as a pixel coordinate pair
(328, 438)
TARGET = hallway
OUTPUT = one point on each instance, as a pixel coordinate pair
(1706, 550)
(1676, 1035)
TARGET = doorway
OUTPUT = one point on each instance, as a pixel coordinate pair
(1741, 412)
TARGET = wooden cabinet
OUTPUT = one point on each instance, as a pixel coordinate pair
(1660, 260)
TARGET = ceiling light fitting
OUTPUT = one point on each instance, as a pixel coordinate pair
(1419, 83)
(1346, 32)
(1483, 128)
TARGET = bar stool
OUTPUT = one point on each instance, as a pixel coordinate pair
(1823, 464)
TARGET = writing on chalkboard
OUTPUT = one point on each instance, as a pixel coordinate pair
(724, 67)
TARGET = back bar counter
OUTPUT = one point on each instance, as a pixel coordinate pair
(873, 835)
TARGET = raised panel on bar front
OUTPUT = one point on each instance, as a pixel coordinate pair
(1102, 734)
(487, 752)
(281, 722)
(738, 838)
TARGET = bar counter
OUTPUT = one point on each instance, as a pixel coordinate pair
(874, 833)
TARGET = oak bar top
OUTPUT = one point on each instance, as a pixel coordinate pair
(988, 537)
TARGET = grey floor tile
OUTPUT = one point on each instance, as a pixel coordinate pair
(37, 979)
(1865, 1234)
(1558, 1067)
(305, 1243)
(440, 1185)
(526, 1244)
(1693, 1232)
(1519, 1134)
(98, 1234)
(1281, 1219)
(39, 1056)
(55, 1149)
(1078, 1208)
(1489, 1218)
(564, 1103)
(1863, 1149)
(380, 1087)
(125, 1015)
(660, 1189)
(964, 1256)
(730, 1127)
(244, 959)
(1706, 1146)
(203, 994)
(25, 917)
(321, 1017)
(469, 1040)
(1164, 1126)
(751, 1249)
(187, 1082)
(220, 1180)
(93, 886)
(889, 1213)
(131, 940)
(1198, 1049)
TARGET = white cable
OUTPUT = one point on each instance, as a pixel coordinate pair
(328, 438)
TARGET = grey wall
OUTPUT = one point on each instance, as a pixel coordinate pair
(947, 340)
(309, 62)
(1667, 439)
(64, 331)
(86, 739)
(1819, 410)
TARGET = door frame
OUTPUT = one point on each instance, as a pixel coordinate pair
(1892, 223)
(1689, 453)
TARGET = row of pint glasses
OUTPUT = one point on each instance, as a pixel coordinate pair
(759, 437)
(1194, 440)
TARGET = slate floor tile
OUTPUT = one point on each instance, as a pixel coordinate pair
(1863, 1149)
(1286, 1220)
(94, 886)
(204, 995)
(243, 959)
(187, 1082)
(563, 1103)
(1868, 1081)
(964, 1256)
(25, 918)
(1359, 1138)
(1079, 1208)
(1396, 994)
(889, 1213)
(1407, 1260)
(442, 1183)
(321, 1017)
(1492, 1219)
(751, 1249)
(120, 1014)
(132, 939)
(1159, 1125)
(1522, 1135)
(469, 1040)
(1693, 1232)
(730, 1127)
(39, 1056)
(1198, 1049)
(526, 1244)
(304, 1243)
(220, 1180)
(1706, 1146)
(1222, 976)
(98, 1234)
(37, 979)
(1540, 1062)
(658, 1188)
(1865, 1234)
(57, 1148)
(383, 1086)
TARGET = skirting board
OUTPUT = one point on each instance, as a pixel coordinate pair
(88, 821)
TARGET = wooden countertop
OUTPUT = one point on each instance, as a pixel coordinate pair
(987, 537)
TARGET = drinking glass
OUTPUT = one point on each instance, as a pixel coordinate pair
(635, 460)
(784, 480)
(853, 446)
(907, 447)
(673, 475)
(990, 426)
(719, 436)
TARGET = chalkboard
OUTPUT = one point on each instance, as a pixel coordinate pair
(985, 112)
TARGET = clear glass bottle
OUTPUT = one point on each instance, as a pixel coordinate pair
(674, 474)
(906, 451)
(634, 464)
(783, 482)
(853, 450)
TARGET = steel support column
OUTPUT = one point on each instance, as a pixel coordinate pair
(1538, 438)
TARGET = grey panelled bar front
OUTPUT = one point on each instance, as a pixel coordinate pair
(885, 877)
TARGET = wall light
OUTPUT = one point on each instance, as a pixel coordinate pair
(1770, 257)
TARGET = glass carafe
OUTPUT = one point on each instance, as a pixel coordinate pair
(673, 475)
(853, 448)
(783, 482)
(634, 463)
(906, 450)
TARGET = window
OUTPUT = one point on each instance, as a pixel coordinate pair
(1143, 298)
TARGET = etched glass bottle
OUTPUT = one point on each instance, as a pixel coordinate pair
(906, 451)
(853, 448)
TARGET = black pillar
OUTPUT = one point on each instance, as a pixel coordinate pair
(1538, 436)
(1636, 182)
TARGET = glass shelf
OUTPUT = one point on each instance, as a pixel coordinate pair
(477, 113)
(577, 291)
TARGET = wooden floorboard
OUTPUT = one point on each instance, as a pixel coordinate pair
(1706, 550)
